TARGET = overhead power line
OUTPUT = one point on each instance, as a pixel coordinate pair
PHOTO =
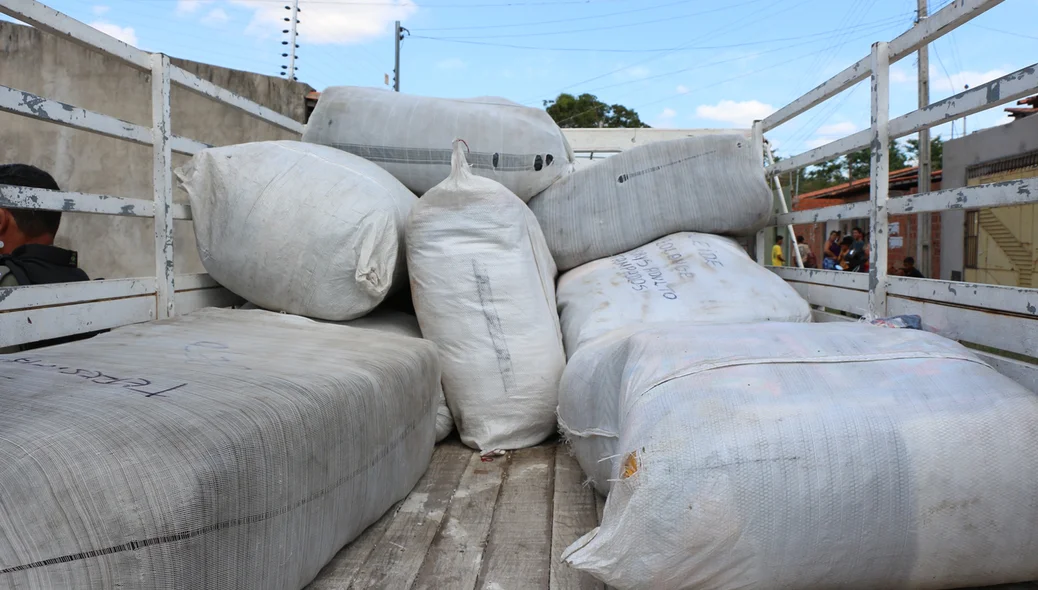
(427, 6)
(689, 92)
(628, 25)
(819, 36)
(559, 20)
(739, 22)
(1021, 35)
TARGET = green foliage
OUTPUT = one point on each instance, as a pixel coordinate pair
(936, 151)
(853, 166)
(587, 111)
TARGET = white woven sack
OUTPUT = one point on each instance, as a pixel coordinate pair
(299, 228)
(682, 277)
(710, 184)
(403, 324)
(519, 147)
(483, 284)
(222, 449)
(407, 325)
(811, 456)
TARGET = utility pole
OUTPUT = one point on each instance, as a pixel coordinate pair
(923, 220)
(292, 35)
(398, 35)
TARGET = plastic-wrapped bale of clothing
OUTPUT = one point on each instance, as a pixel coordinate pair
(837, 455)
(221, 449)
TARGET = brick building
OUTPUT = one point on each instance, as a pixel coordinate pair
(903, 228)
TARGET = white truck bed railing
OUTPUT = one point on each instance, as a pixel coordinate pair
(34, 313)
(1002, 318)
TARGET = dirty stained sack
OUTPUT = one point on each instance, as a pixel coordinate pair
(410, 136)
(809, 456)
(299, 228)
(221, 449)
(685, 276)
(711, 184)
(483, 285)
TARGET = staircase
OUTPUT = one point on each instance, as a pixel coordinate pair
(1017, 253)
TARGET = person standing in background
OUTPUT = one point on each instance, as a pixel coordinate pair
(908, 269)
(831, 251)
(776, 253)
(806, 256)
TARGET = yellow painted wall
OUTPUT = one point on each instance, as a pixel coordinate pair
(993, 266)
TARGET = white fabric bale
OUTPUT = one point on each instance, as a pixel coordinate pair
(682, 277)
(221, 449)
(403, 324)
(483, 284)
(299, 228)
(711, 184)
(519, 147)
(407, 325)
(810, 456)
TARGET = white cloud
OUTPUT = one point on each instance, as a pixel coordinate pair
(631, 73)
(191, 6)
(819, 142)
(339, 22)
(900, 76)
(100, 10)
(940, 82)
(124, 34)
(742, 114)
(451, 63)
(668, 113)
(837, 130)
(682, 89)
(215, 17)
(830, 133)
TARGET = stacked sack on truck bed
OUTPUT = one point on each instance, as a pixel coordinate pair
(410, 136)
(711, 184)
(221, 449)
(483, 284)
(807, 456)
(687, 276)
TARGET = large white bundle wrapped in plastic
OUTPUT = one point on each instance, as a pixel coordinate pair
(407, 325)
(809, 456)
(222, 449)
(682, 277)
(483, 284)
(403, 324)
(711, 184)
(519, 147)
(299, 228)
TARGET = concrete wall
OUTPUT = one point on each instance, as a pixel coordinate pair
(116, 247)
(1003, 141)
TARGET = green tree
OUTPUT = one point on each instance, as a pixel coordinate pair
(859, 163)
(587, 110)
(936, 151)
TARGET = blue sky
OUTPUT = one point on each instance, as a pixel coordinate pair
(679, 63)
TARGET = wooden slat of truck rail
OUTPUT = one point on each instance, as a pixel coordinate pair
(397, 557)
(575, 513)
(518, 553)
(455, 557)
